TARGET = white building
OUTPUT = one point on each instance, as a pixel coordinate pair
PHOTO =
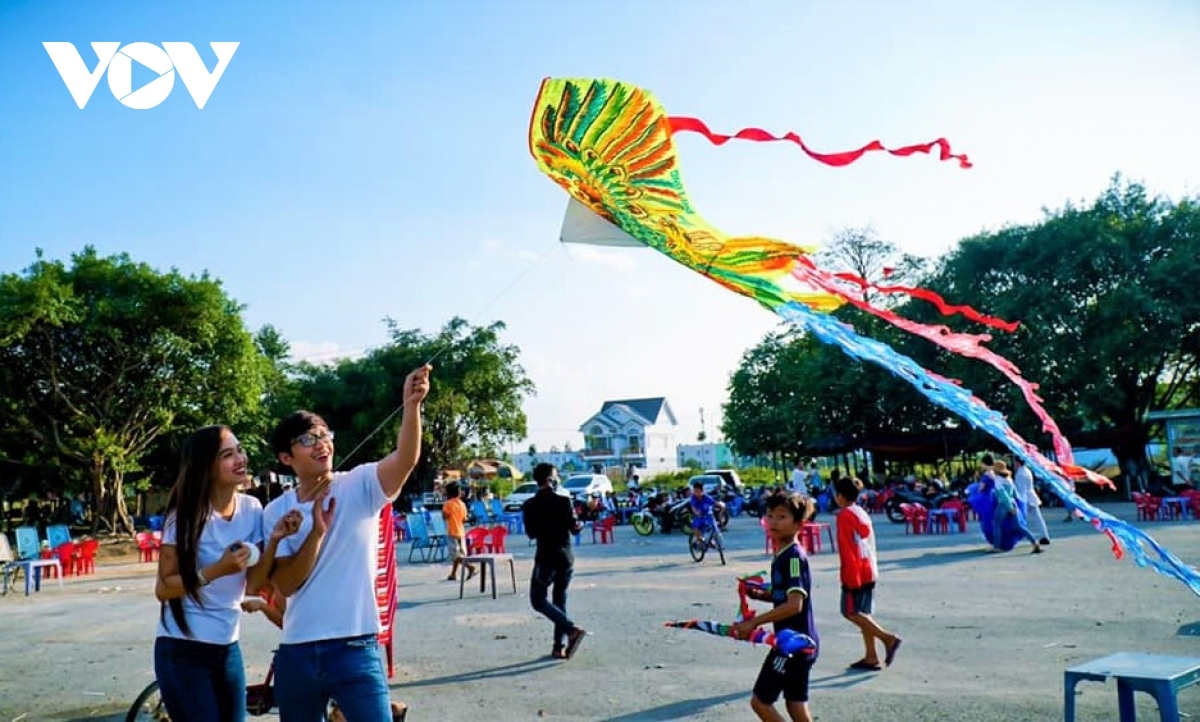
(631, 432)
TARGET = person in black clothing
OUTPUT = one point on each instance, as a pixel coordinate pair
(550, 521)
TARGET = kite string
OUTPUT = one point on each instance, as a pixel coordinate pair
(487, 307)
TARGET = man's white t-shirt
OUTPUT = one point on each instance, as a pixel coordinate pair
(338, 598)
(1181, 470)
(217, 618)
(798, 480)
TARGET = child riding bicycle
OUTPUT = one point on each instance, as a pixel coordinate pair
(702, 506)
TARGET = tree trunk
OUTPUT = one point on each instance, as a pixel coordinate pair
(110, 509)
(99, 495)
(1131, 457)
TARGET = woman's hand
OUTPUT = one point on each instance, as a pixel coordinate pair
(235, 559)
(250, 606)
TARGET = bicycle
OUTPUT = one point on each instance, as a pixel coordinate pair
(710, 538)
(260, 700)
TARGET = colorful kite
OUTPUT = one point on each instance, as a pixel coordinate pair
(610, 146)
(789, 642)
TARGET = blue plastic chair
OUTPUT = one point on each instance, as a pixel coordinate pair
(480, 512)
(57, 535)
(430, 547)
(28, 545)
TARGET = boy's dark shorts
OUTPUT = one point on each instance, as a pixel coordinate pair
(858, 601)
(783, 674)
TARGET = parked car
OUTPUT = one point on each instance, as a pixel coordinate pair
(519, 496)
(584, 485)
(713, 484)
(732, 480)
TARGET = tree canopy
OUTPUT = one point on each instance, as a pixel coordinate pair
(104, 358)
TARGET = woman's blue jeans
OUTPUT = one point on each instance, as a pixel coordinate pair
(347, 670)
(200, 681)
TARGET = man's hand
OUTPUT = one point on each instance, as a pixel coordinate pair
(288, 525)
(322, 516)
(416, 385)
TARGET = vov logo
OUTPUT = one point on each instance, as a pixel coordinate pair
(118, 61)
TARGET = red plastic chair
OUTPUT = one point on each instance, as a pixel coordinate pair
(495, 539)
(769, 545)
(147, 546)
(605, 528)
(915, 518)
(1147, 506)
(66, 557)
(810, 538)
(961, 515)
(85, 556)
(477, 540)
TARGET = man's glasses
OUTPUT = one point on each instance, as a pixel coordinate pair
(310, 440)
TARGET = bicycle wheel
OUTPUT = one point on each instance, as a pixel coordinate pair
(720, 540)
(697, 548)
(643, 524)
(148, 707)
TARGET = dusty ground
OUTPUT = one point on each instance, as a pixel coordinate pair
(986, 637)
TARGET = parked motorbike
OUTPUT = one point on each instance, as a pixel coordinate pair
(905, 495)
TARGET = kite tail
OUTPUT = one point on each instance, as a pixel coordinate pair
(946, 308)
(963, 344)
(681, 124)
(1144, 549)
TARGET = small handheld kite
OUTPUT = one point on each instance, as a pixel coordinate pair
(756, 582)
(610, 145)
(788, 642)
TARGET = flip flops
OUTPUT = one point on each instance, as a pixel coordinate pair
(891, 653)
(865, 666)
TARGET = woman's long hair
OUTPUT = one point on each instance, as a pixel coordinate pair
(189, 503)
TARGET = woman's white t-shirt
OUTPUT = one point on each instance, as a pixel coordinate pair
(217, 618)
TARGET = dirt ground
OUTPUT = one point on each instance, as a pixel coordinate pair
(986, 637)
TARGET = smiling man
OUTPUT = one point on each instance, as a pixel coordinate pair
(327, 569)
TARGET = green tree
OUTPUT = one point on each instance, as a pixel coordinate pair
(107, 357)
(1108, 298)
(473, 409)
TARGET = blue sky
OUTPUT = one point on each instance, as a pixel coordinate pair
(366, 160)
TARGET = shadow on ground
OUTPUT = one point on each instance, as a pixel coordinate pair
(681, 709)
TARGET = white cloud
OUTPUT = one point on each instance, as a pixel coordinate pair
(322, 352)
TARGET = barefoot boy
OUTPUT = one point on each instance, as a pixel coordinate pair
(856, 549)
(791, 587)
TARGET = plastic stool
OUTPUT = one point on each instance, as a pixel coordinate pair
(1158, 676)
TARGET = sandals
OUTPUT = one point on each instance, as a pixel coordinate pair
(865, 666)
(891, 653)
(558, 653)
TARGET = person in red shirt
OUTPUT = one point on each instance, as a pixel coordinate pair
(856, 550)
